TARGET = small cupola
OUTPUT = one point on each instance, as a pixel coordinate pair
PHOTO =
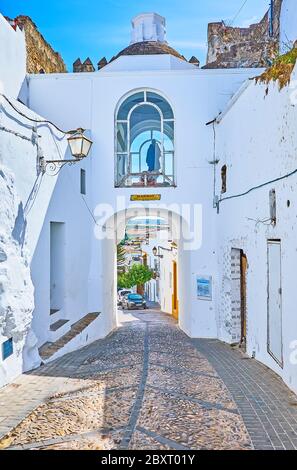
(148, 27)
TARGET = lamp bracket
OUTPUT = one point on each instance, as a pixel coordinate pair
(53, 167)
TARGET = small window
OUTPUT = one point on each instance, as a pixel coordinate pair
(272, 206)
(83, 188)
(224, 178)
(7, 349)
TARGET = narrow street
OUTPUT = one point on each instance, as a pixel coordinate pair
(148, 386)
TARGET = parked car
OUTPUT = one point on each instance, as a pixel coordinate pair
(122, 293)
(133, 301)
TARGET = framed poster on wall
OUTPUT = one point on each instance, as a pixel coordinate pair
(204, 287)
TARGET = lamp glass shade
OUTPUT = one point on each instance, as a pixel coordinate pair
(155, 251)
(86, 146)
(79, 145)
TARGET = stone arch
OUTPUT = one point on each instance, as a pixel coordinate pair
(114, 231)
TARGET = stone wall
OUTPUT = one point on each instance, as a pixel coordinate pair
(230, 47)
(41, 58)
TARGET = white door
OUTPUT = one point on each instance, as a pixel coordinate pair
(275, 341)
(57, 265)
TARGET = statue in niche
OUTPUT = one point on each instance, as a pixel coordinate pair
(153, 161)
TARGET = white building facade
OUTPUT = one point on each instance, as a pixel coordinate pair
(69, 224)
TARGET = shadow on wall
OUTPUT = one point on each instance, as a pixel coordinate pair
(20, 225)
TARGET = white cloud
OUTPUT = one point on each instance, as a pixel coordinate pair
(189, 44)
(248, 21)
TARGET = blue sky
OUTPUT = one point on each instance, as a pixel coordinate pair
(97, 28)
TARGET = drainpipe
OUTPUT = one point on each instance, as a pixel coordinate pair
(214, 162)
(271, 19)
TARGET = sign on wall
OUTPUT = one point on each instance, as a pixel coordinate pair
(145, 197)
(204, 287)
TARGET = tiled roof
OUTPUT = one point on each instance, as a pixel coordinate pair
(148, 48)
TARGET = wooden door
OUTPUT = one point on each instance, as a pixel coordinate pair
(175, 292)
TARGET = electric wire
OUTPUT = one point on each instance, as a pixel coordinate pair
(238, 13)
(262, 185)
(72, 184)
(37, 121)
(43, 121)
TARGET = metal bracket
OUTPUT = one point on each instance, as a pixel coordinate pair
(53, 167)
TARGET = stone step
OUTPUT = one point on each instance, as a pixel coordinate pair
(47, 350)
(53, 311)
(58, 324)
(55, 315)
(58, 329)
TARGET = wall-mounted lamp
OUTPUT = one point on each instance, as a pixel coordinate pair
(156, 252)
(80, 147)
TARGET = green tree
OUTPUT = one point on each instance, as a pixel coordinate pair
(121, 259)
(123, 281)
(137, 275)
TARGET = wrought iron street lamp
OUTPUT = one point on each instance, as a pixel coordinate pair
(156, 253)
(80, 147)
(79, 144)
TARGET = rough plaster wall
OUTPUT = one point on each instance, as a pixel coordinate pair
(236, 294)
(224, 306)
(16, 288)
(233, 47)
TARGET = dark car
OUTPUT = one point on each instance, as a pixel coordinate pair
(133, 301)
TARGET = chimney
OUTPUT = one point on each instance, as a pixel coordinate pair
(148, 27)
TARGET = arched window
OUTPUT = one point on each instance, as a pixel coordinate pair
(145, 141)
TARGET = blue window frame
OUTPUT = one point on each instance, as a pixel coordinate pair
(7, 349)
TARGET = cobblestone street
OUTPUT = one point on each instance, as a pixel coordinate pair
(148, 386)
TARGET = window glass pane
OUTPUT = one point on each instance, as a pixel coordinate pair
(122, 167)
(128, 105)
(122, 137)
(169, 164)
(135, 163)
(143, 119)
(169, 134)
(162, 104)
(140, 140)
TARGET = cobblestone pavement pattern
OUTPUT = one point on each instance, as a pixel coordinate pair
(146, 386)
